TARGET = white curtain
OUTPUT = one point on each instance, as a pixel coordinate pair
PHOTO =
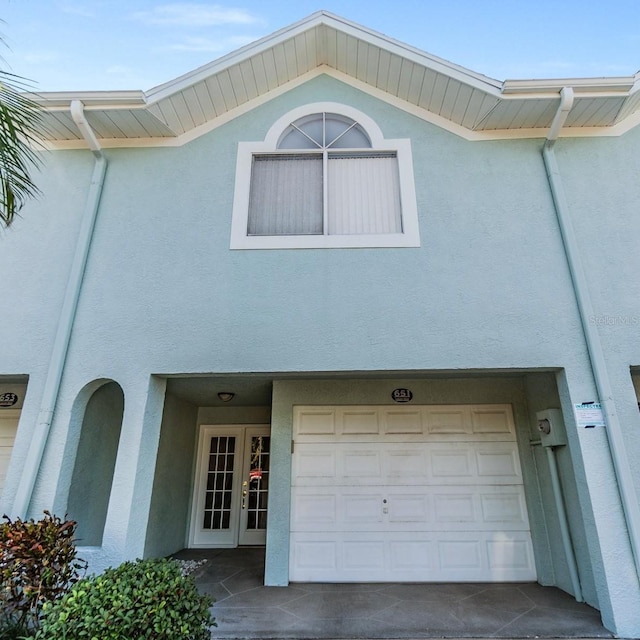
(363, 194)
(286, 195)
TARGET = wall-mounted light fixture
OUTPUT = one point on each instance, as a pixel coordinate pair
(226, 396)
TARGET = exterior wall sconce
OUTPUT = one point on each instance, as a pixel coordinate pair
(226, 396)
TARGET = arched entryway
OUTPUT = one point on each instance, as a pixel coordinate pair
(95, 462)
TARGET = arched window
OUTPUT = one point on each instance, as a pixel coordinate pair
(326, 178)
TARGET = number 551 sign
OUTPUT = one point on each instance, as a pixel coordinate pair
(402, 395)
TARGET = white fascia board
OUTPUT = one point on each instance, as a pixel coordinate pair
(555, 94)
(92, 100)
(592, 86)
(636, 84)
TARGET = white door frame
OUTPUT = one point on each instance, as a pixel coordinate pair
(235, 534)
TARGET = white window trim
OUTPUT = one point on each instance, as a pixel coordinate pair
(410, 237)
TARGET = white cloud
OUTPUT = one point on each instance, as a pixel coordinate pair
(210, 45)
(194, 15)
(41, 57)
(77, 9)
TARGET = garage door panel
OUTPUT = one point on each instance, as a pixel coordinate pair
(314, 512)
(506, 555)
(455, 509)
(358, 422)
(474, 422)
(397, 422)
(452, 465)
(448, 421)
(490, 420)
(402, 557)
(406, 508)
(421, 509)
(408, 465)
(395, 463)
(363, 556)
(360, 510)
(361, 464)
(312, 421)
(499, 461)
(312, 464)
(314, 557)
(506, 508)
(411, 556)
(456, 555)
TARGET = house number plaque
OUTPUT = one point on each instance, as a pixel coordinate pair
(402, 395)
(8, 399)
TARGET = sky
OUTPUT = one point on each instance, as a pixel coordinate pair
(73, 45)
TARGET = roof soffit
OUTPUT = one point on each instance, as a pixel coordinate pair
(471, 102)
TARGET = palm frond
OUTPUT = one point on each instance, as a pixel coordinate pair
(20, 121)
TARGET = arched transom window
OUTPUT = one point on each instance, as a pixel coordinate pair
(324, 182)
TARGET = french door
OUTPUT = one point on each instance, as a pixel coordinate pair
(231, 489)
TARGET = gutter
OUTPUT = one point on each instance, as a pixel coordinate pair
(66, 320)
(621, 466)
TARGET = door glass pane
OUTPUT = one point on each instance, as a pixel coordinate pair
(217, 502)
(258, 483)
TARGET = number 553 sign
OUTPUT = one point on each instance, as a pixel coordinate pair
(8, 399)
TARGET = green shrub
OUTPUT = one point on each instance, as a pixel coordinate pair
(38, 564)
(141, 599)
(12, 631)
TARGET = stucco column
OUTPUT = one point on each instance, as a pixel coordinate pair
(277, 550)
(128, 514)
(609, 548)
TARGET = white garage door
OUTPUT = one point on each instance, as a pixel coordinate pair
(8, 427)
(409, 493)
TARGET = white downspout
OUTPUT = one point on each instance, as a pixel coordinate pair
(613, 429)
(66, 319)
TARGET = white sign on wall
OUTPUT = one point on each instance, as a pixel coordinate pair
(589, 415)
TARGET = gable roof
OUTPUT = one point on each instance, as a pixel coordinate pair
(467, 103)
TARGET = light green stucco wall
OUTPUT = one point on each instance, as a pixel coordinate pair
(542, 393)
(94, 463)
(171, 496)
(488, 290)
